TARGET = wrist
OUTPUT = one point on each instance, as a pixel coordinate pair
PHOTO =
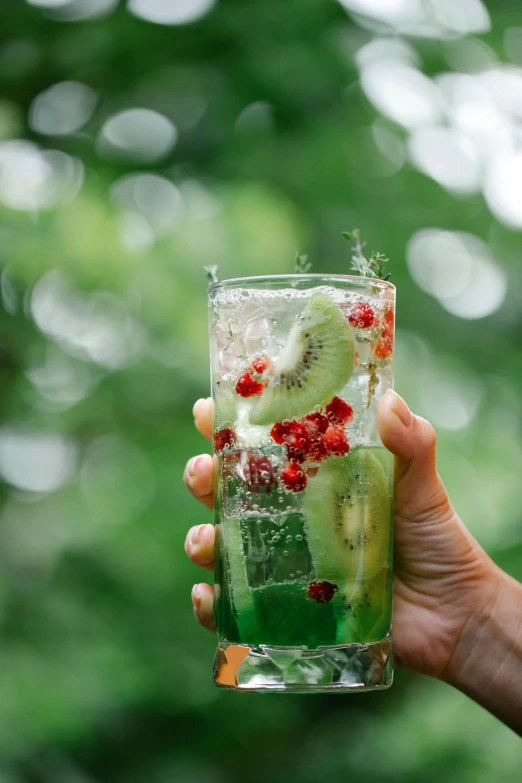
(487, 659)
(479, 619)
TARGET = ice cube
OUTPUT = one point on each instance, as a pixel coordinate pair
(229, 350)
(258, 338)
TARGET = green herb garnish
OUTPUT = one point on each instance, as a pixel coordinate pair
(302, 264)
(211, 272)
(366, 267)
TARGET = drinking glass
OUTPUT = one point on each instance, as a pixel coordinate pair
(303, 494)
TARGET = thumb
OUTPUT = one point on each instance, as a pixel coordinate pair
(419, 491)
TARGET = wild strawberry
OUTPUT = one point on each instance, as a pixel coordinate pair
(296, 442)
(335, 441)
(384, 347)
(293, 435)
(315, 424)
(361, 316)
(389, 321)
(247, 386)
(277, 433)
(321, 592)
(317, 451)
(258, 472)
(224, 437)
(293, 477)
(262, 364)
(339, 412)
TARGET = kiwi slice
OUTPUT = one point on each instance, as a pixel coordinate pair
(240, 591)
(347, 513)
(364, 610)
(313, 366)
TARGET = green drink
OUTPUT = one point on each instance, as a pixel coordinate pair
(303, 508)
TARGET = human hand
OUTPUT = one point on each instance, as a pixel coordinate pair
(442, 576)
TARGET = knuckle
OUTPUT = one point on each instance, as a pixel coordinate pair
(428, 434)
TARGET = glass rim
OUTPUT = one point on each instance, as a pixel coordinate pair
(362, 282)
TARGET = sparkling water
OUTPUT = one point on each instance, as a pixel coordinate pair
(303, 561)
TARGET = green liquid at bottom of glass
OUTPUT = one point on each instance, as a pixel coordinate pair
(284, 615)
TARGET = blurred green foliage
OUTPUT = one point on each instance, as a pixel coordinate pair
(104, 676)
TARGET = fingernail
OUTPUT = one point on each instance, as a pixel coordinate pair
(195, 538)
(196, 597)
(192, 468)
(196, 405)
(400, 408)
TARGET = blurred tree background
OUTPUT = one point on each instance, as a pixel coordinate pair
(139, 141)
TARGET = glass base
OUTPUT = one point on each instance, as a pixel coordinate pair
(352, 667)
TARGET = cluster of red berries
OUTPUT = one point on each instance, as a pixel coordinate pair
(309, 440)
(253, 381)
(384, 347)
(312, 439)
(361, 316)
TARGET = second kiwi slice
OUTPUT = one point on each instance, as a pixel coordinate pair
(347, 513)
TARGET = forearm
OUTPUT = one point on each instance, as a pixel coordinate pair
(487, 662)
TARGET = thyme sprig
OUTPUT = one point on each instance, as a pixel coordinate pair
(212, 273)
(366, 267)
(302, 264)
(232, 339)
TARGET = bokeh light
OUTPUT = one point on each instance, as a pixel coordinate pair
(458, 269)
(33, 179)
(426, 18)
(138, 134)
(152, 201)
(97, 327)
(35, 462)
(63, 108)
(447, 157)
(503, 188)
(170, 11)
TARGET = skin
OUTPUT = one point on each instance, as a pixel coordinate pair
(456, 615)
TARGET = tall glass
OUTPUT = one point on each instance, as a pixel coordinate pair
(303, 510)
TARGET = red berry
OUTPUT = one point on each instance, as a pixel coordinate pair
(247, 386)
(339, 412)
(224, 437)
(293, 477)
(389, 321)
(384, 347)
(321, 592)
(335, 441)
(361, 316)
(317, 451)
(296, 442)
(277, 433)
(315, 424)
(262, 364)
(293, 435)
(258, 472)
